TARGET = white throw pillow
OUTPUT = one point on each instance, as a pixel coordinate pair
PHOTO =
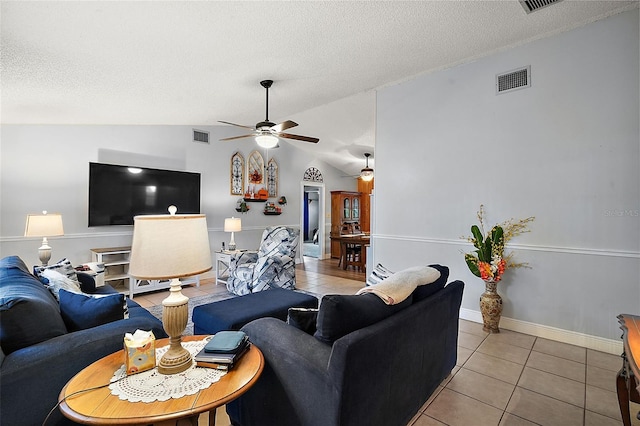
(378, 274)
(58, 281)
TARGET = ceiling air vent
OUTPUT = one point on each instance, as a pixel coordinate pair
(513, 80)
(200, 136)
(533, 5)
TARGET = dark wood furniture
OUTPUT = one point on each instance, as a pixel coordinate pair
(627, 379)
(344, 241)
(345, 217)
(100, 407)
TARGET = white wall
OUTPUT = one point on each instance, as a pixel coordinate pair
(47, 168)
(566, 150)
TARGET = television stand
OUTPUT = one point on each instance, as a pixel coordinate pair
(116, 273)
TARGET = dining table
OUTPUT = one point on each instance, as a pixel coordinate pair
(362, 240)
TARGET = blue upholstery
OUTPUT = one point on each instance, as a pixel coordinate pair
(32, 376)
(378, 375)
(232, 314)
(273, 266)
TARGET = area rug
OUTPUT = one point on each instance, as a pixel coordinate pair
(311, 250)
(156, 310)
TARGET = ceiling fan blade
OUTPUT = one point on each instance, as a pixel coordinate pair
(284, 126)
(238, 125)
(237, 137)
(298, 137)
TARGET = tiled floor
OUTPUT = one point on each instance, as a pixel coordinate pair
(506, 379)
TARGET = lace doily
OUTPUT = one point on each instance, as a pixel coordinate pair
(150, 385)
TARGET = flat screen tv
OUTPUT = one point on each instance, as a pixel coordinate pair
(118, 193)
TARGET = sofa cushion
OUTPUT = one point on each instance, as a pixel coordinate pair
(303, 319)
(29, 313)
(340, 315)
(81, 311)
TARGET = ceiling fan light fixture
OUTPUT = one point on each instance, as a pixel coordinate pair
(267, 141)
(366, 174)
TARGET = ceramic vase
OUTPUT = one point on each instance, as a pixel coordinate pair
(491, 307)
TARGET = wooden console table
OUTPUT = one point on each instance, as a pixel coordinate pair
(627, 380)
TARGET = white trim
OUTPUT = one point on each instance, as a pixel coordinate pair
(565, 336)
(553, 249)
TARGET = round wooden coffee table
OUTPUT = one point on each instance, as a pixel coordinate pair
(100, 407)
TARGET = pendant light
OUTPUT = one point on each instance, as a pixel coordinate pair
(366, 174)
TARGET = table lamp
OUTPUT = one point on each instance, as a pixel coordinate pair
(171, 247)
(44, 225)
(232, 224)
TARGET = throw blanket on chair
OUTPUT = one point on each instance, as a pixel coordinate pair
(397, 287)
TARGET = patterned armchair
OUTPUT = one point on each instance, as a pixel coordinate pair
(272, 266)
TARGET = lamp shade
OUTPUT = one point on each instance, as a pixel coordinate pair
(232, 224)
(169, 246)
(267, 141)
(44, 225)
(366, 174)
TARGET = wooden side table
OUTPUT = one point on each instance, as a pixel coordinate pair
(100, 407)
(627, 379)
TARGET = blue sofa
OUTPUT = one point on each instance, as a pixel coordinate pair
(39, 355)
(366, 364)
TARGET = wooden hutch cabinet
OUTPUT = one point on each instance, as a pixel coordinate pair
(346, 209)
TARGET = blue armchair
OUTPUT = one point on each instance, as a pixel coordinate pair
(272, 266)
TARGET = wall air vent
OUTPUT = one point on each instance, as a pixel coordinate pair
(513, 80)
(200, 136)
(533, 5)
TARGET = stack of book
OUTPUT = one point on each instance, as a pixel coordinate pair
(223, 350)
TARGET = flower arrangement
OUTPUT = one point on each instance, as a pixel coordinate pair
(489, 261)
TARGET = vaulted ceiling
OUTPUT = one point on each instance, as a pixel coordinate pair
(197, 62)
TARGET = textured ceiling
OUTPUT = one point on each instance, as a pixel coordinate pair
(197, 62)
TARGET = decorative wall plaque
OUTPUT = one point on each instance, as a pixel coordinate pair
(255, 168)
(313, 175)
(237, 174)
(272, 178)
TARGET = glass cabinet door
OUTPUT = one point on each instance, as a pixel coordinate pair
(346, 211)
(356, 208)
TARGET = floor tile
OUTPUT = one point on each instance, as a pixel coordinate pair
(483, 388)
(455, 409)
(557, 387)
(504, 351)
(423, 420)
(513, 338)
(463, 355)
(595, 419)
(603, 402)
(559, 366)
(544, 410)
(469, 341)
(472, 328)
(604, 360)
(509, 419)
(492, 366)
(601, 378)
(561, 350)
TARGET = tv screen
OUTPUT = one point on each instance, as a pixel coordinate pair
(118, 193)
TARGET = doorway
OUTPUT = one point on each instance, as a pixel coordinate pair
(312, 224)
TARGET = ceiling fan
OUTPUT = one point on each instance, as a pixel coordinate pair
(267, 133)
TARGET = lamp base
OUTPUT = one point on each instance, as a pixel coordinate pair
(176, 360)
(174, 320)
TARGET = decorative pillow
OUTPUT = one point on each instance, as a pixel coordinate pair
(81, 311)
(423, 291)
(57, 281)
(303, 319)
(378, 274)
(62, 266)
(340, 315)
(29, 313)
